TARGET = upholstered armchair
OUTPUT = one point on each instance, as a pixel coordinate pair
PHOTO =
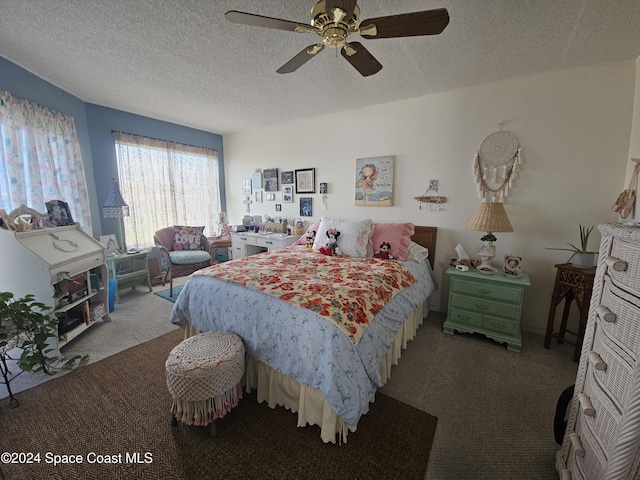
(185, 250)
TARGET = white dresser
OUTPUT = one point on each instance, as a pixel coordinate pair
(249, 243)
(602, 439)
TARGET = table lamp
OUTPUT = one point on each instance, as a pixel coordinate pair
(116, 207)
(490, 217)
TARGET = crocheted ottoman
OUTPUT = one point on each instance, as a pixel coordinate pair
(204, 377)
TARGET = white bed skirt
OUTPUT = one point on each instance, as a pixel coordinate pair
(278, 389)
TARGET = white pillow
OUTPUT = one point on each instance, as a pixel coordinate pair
(353, 239)
(418, 253)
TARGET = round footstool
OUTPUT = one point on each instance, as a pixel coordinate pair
(204, 377)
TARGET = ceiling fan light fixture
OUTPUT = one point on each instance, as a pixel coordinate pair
(334, 36)
(335, 20)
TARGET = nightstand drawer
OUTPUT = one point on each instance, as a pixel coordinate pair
(495, 291)
(499, 325)
(466, 318)
(485, 307)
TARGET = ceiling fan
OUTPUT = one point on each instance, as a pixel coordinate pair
(335, 20)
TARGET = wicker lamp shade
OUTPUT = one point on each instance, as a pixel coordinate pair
(490, 217)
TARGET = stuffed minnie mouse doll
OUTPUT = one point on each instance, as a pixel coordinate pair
(311, 236)
(331, 248)
(384, 252)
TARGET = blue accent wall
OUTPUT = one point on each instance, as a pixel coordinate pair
(94, 124)
(103, 120)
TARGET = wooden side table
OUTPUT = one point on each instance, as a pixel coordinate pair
(219, 242)
(571, 284)
(130, 269)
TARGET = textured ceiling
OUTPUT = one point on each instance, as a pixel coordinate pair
(181, 61)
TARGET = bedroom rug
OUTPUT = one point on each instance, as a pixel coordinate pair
(118, 409)
(165, 293)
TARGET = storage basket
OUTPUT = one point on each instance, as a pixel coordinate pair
(297, 229)
(275, 227)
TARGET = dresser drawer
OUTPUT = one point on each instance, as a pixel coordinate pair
(462, 317)
(500, 325)
(605, 423)
(625, 327)
(629, 253)
(617, 375)
(591, 464)
(491, 292)
(485, 307)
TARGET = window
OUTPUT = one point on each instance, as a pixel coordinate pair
(166, 183)
(40, 159)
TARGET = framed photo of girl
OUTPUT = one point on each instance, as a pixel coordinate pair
(374, 181)
(512, 265)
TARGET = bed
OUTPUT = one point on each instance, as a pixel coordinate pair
(324, 369)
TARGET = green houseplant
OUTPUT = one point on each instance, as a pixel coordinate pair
(581, 257)
(30, 326)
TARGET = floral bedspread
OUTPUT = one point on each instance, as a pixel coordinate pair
(349, 291)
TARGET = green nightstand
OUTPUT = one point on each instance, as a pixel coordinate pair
(487, 304)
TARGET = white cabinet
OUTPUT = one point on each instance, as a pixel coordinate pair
(249, 243)
(602, 439)
(37, 261)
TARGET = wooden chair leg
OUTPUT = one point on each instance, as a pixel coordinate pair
(212, 429)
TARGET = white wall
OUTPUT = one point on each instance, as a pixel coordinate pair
(573, 126)
(634, 146)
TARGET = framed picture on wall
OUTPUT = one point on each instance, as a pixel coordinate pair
(258, 196)
(286, 178)
(246, 186)
(256, 179)
(287, 194)
(306, 209)
(306, 180)
(271, 197)
(270, 179)
(374, 181)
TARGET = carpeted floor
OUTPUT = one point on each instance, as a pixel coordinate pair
(117, 410)
(495, 408)
(165, 293)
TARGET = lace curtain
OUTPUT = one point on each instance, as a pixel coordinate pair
(165, 184)
(41, 159)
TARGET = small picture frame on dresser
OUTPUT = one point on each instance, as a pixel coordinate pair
(512, 265)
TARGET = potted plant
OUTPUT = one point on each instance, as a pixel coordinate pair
(581, 257)
(29, 325)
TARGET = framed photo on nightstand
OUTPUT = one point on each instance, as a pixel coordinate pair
(512, 265)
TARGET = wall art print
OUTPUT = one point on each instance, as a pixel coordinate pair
(270, 179)
(374, 181)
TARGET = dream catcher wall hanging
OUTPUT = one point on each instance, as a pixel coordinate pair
(495, 165)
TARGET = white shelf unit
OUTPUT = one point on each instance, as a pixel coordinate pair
(35, 261)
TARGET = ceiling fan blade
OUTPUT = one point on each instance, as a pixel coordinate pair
(361, 59)
(300, 59)
(347, 6)
(260, 21)
(429, 22)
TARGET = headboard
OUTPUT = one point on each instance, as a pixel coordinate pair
(426, 236)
